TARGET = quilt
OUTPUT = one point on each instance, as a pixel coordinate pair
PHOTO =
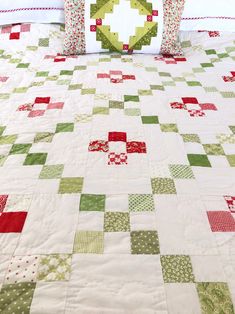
(117, 177)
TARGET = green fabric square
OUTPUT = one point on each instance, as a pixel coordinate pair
(194, 83)
(164, 74)
(101, 110)
(63, 82)
(215, 298)
(92, 202)
(169, 127)
(2, 128)
(66, 72)
(23, 65)
(231, 160)
(191, 138)
(177, 268)
(89, 242)
(134, 98)
(64, 127)
(55, 267)
(17, 298)
(207, 65)
(145, 92)
(42, 74)
(199, 160)
(35, 159)
(157, 87)
(116, 222)
(223, 55)
(163, 186)
(4, 96)
(232, 128)
(20, 90)
(210, 52)
(88, 91)
(141, 202)
(75, 86)
(186, 44)
(80, 68)
(43, 42)
(2, 160)
(51, 172)
(228, 94)
(210, 89)
(43, 137)
(132, 112)
(144, 242)
(52, 78)
(213, 149)
(71, 185)
(20, 149)
(181, 172)
(116, 104)
(150, 119)
(8, 139)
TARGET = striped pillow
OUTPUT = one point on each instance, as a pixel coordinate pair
(34, 11)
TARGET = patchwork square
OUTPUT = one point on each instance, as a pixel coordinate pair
(141, 202)
(20, 149)
(17, 298)
(150, 119)
(181, 172)
(51, 172)
(64, 127)
(221, 221)
(89, 242)
(213, 149)
(56, 267)
(35, 159)
(12, 222)
(144, 242)
(215, 297)
(169, 128)
(177, 268)
(163, 186)
(116, 222)
(92, 202)
(198, 160)
(231, 160)
(71, 185)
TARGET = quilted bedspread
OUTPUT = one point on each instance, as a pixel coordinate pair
(117, 177)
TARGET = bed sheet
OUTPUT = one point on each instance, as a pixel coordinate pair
(117, 177)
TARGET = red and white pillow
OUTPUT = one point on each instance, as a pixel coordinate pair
(31, 11)
(209, 15)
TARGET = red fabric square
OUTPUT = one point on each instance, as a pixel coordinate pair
(36, 113)
(190, 100)
(233, 73)
(59, 59)
(155, 12)
(98, 21)
(136, 147)
(128, 77)
(42, 100)
(12, 222)
(230, 202)
(3, 200)
(149, 18)
(180, 59)
(221, 221)
(103, 75)
(99, 146)
(93, 28)
(196, 113)
(117, 137)
(3, 79)
(117, 159)
(6, 29)
(55, 105)
(25, 27)
(125, 47)
(115, 72)
(177, 105)
(208, 107)
(15, 36)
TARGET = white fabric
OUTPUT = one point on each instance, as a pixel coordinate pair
(211, 15)
(34, 11)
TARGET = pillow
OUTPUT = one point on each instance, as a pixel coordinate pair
(38, 11)
(209, 15)
(126, 26)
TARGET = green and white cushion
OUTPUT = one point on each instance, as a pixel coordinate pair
(124, 26)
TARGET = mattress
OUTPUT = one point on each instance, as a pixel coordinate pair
(117, 177)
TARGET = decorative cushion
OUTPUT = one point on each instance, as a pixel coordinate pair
(123, 26)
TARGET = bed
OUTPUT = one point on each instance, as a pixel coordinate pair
(117, 177)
